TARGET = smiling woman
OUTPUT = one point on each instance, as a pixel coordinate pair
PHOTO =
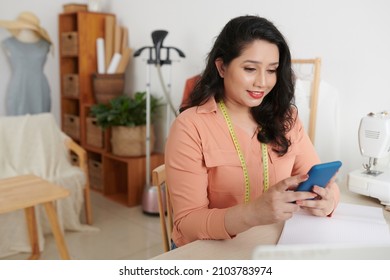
(238, 146)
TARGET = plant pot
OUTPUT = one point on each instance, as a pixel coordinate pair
(131, 141)
(107, 86)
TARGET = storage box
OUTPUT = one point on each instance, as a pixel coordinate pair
(95, 174)
(71, 85)
(74, 7)
(95, 134)
(69, 43)
(72, 126)
(107, 86)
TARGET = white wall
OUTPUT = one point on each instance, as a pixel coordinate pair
(351, 37)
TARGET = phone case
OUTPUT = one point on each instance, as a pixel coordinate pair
(319, 175)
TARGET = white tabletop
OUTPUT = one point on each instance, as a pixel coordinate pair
(243, 245)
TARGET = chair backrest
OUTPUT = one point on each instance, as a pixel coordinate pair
(32, 144)
(164, 205)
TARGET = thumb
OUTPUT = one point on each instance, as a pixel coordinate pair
(292, 182)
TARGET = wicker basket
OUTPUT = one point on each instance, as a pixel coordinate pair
(71, 85)
(107, 86)
(94, 133)
(69, 43)
(74, 159)
(72, 126)
(130, 141)
(73, 7)
(95, 174)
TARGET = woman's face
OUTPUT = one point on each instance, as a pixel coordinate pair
(251, 76)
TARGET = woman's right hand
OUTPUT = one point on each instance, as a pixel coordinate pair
(277, 204)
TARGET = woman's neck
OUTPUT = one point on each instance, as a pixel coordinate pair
(27, 36)
(237, 111)
(242, 117)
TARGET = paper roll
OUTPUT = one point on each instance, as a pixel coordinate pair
(109, 38)
(117, 39)
(125, 39)
(100, 56)
(114, 63)
(126, 54)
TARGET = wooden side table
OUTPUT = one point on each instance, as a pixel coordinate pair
(27, 191)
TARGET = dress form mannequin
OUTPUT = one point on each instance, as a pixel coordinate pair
(27, 36)
(28, 90)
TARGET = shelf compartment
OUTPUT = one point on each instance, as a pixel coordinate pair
(72, 126)
(95, 170)
(69, 43)
(125, 177)
(71, 85)
(95, 134)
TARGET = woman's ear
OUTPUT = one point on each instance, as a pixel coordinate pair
(220, 67)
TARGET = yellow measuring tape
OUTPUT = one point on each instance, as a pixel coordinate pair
(264, 154)
(241, 156)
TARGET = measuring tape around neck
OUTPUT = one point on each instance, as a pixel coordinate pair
(264, 153)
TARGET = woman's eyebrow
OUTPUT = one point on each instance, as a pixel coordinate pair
(259, 62)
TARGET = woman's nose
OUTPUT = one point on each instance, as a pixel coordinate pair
(261, 80)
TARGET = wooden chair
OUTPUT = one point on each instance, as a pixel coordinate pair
(82, 163)
(315, 65)
(164, 205)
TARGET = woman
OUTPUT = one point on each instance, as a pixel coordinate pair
(238, 148)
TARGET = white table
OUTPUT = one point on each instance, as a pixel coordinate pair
(243, 245)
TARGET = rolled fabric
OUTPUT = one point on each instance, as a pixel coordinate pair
(114, 63)
(126, 54)
(100, 56)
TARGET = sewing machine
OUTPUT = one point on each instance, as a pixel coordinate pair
(374, 142)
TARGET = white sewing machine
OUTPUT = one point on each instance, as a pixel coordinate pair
(374, 142)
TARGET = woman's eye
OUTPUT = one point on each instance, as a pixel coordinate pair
(271, 71)
(249, 69)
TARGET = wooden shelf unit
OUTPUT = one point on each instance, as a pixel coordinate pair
(121, 178)
(78, 57)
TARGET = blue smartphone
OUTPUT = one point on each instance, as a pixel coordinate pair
(319, 175)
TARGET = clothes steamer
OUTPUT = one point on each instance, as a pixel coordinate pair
(149, 199)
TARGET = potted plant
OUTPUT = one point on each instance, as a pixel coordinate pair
(126, 116)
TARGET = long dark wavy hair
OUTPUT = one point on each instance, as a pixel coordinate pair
(274, 115)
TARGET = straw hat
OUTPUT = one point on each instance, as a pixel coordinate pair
(25, 20)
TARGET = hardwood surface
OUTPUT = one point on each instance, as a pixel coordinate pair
(27, 191)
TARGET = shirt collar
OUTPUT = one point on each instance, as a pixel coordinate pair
(209, 107)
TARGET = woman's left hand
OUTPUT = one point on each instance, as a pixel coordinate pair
(324, 203)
